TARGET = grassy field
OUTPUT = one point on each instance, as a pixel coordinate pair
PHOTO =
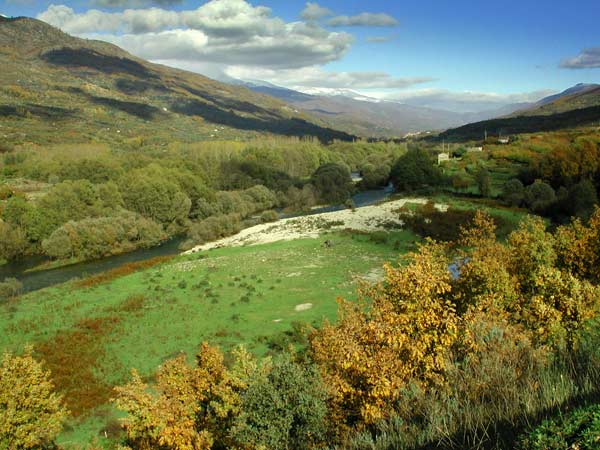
(91, 336)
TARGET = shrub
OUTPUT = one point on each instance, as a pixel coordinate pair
(10, 287)
(31, 414)
(215, 227)
(285, 409)
(103, 236)
(269, 216)
(579, 429)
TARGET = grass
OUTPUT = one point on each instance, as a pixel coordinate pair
(92, 332)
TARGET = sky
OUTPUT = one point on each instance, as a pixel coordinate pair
(458, 55)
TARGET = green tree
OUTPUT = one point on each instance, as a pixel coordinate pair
(332, 183)
(581, 199)
(415, 170)
(539, 196)
(151, 193)
(31, 414)
(285, 409)
(13, 242)
(513, 192)
(483, 180)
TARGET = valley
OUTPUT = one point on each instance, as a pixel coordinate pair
(333, 258)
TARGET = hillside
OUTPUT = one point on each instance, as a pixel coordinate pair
(572, 108)
(576, 97)
(57, 88)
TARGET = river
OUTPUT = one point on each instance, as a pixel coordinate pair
(44, 278)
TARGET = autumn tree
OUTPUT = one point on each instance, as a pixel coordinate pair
(369, 357)
(578, 247)
(31, 413)
(189, 407)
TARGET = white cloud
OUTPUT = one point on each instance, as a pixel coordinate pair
(363, 20)
(465, 101)
(220, 31)
(587, 59)
(133, 3)
(379, 39)
(313, 11)
(317, 77)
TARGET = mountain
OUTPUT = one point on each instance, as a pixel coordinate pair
(58, 88)
(577, 97)
(579, 88)
(359, 114)
(577, 106)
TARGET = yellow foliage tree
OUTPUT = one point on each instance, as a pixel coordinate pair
(406, 334)
(578, 247)
(31, 413)
(188, 408)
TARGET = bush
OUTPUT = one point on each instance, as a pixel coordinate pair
(10, 287)
(580, 429)
(269, 216)
(286, 409)
(103, 236)
(214, 228)
(31, 414)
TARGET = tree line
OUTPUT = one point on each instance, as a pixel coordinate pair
(97, 201)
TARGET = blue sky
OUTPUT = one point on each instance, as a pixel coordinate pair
(424, 52)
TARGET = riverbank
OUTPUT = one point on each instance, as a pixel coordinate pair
(365, 219)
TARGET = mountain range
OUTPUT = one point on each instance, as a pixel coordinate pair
(366, 116)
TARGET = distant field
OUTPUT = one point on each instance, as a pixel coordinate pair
(92, 337)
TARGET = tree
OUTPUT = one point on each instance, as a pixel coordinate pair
(539, 196)
(13, 242)
(513, 192)
(369, 357)
(151, 193)
(578, 247)
(414, 170)
(581, 199)
(284, 409)
(483, 180)
(31, 414)
(189, 407)
(103, 236)
(332, 183)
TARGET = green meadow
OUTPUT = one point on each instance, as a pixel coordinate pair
(91, 334)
